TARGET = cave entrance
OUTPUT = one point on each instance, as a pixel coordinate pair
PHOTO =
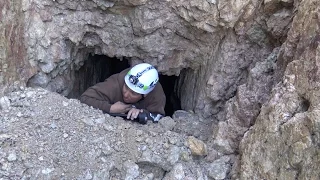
(94, 70)
(99, 67)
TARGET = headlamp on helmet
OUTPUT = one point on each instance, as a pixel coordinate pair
(142, 78)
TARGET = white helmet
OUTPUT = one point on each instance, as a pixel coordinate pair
(142, 78)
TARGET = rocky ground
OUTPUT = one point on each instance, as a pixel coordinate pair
(44, 135)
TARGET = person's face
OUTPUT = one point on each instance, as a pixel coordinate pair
(130, 96)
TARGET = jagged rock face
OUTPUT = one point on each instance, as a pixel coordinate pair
(210, 44)
(63, 33)
(284, 142)
(14, 67)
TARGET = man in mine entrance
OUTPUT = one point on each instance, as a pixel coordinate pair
(134, 93)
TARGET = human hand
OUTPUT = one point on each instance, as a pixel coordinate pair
(133, 113)
(120, 107)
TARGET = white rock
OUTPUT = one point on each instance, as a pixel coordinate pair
(30, 94)
(65, 103)
(88, 175)
(47, 170)
(212, 1)
(19, 114)
(65, 135)
(12, 157)
(4, 103)
(100, 120)
(5, 167)
(88, 121)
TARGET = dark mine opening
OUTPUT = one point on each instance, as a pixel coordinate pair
(97, 68)
(172, 101)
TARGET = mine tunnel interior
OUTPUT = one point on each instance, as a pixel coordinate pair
(94, 70)
(99, 67)
(172, 101)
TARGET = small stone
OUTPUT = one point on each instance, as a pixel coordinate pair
(107, 150)
(30, 94)
(45, 16)
(88, 121)
(4, 137)
(143, 148)
(167, 123)
(53, 126)
(148, 140)
(166, 145)
(19, 114)
(47, 170)
(185, 156)
(100, 120)
(173, 155)
(150, 176)
(4, 102)
(12, 157)
(131, 169)
(65, 103)
(88, 175)
(197, 146)
(212, 1)
(5, 167)
(181, 114)
(219, 168)
(65, 135)
(28, 164)
(173, 140)
(108, 127)
(154, 134)
(139, 132)
(103, 159)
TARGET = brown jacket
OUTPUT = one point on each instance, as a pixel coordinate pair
(104, 94)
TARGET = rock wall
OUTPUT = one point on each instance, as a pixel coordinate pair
(14, 67)
(63, 33)
(213, 47)
(284, 141)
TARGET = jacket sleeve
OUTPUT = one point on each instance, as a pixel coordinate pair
(99, 96)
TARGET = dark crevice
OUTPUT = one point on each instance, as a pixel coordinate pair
(315, 137)
(172, 100)
(147, 168)
(304, 105)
